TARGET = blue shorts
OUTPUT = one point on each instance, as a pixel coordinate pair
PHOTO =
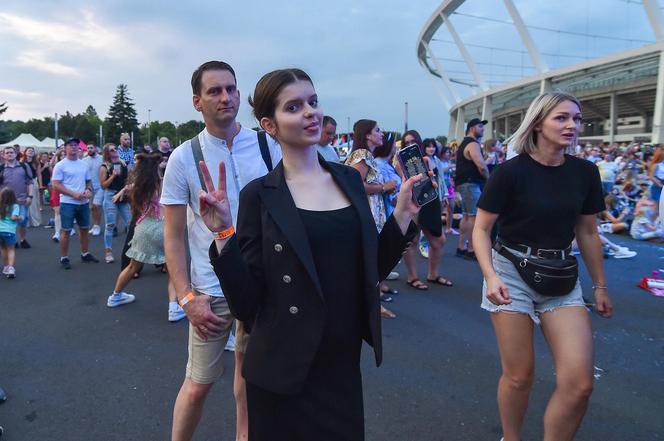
(69, 212)
(7, 240)
(23, 211)
(525, 299)
(470, 196)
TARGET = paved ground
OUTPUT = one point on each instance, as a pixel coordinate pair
(75, 370)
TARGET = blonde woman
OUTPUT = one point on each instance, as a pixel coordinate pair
(541, 200)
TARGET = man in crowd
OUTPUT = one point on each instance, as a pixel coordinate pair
(71, 178)
(94, 160)
(216, 96)
(165, 150)
(17, 176)
(126, 151)
(470, 176)
(327, 135)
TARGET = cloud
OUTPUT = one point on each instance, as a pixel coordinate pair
(37, 60)
(19, 93)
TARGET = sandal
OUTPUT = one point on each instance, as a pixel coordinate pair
(386, 313)
(417, 284)
(440, 280)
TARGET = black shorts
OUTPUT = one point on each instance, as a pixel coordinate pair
(430, 220)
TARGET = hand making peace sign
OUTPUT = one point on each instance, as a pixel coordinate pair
(214, 205)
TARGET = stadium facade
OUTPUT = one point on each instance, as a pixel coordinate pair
(622, 94)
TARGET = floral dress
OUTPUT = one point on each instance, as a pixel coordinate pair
(374, 176)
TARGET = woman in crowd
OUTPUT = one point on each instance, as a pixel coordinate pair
(43, 177)
(430, 223)
(54, 197)
(304, 268)
(537, 228)
(113, 175)
(492, 149)
(30, 158)
(656, 173)
(367, 136)
(446, 168)
(147, 245)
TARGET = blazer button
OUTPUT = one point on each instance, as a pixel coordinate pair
(293, 310)
(278, 248)
(286, 279)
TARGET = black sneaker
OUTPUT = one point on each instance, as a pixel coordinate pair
(89, 258)
(65, 263)
(460, 252)
(25, 244)
(470, 255)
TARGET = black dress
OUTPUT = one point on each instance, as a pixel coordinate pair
(330, 406)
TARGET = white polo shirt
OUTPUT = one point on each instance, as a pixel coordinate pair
(181, 186)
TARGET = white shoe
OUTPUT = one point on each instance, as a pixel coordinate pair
(108, 257)
(4, 270)
(56, 238)
(623, 253)
(119, 299)
(175, 312)
(11, 272)
(393, 275)
(95, 231)
(230, 344)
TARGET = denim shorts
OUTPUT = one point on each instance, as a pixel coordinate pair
(525, 299)
(98, 196)
(23, 211)
(7, 240)
(69, 212)
(470, 195)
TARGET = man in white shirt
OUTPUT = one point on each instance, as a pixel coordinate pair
(216, 96)
(327, 135)
(94, 160)
(71, 178)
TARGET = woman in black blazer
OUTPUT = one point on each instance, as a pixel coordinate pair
(303, 269)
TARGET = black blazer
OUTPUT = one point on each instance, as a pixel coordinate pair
(269, 278)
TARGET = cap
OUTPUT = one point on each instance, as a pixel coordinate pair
(73, 141)
(474, 122)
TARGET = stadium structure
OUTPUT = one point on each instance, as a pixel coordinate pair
(621, 94)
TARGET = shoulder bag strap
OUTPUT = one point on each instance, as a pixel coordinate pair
(265, 151)
(198, 157)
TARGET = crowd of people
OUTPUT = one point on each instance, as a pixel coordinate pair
(273, 216)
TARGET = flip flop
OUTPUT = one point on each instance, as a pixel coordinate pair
(417, 284)
(386, 313)
(440, 280)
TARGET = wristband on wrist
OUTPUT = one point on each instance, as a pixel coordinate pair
(595, 287)
(186, 299)
(221, 235)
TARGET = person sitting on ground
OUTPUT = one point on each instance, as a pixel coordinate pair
(617, 217)
(645, 225)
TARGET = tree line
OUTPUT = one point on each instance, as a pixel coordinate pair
(121, 118)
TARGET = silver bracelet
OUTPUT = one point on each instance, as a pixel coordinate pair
(599, 287)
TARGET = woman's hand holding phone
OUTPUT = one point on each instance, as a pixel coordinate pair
(406, 208)
(215, 208)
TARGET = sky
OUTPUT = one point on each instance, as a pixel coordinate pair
(65, 55)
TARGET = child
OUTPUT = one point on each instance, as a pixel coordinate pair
(645, 225)
(9, 217)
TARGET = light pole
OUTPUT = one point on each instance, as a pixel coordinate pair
(348, 135)
(149, 138)
(176, 132)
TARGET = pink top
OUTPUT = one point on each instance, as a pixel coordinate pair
(153, 208)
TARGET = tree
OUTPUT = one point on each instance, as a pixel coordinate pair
(442, 140)
(121, 117)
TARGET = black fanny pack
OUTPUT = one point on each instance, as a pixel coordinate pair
(548, 276)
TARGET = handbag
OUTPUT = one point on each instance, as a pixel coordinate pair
(549, 277)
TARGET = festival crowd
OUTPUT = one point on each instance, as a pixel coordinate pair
(270, 217)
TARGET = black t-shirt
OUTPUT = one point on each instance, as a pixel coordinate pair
(539, 205)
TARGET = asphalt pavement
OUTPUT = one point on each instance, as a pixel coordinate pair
(74, 369)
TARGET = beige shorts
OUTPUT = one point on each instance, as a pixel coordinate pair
(241, 337)
(205, 364)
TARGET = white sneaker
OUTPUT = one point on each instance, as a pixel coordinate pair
(119, 299)
(95, 231)
(393, 275)
(108, 257)
(56, 238)
(4, 270)
(10, 272)
(230, 344)
(175, 312)
(623, 253)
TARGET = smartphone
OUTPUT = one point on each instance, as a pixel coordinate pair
(116, 167)
(412, 164)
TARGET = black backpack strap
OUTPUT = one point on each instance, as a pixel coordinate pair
(265, 150)
(198, 157)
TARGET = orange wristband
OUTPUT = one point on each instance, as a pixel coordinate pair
(221, 235)
(186, 299)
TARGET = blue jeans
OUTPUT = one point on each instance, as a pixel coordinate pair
(111, 210)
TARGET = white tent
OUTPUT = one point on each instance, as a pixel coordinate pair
(48, 144)
(24, 140)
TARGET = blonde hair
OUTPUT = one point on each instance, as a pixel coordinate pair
(524, 140)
